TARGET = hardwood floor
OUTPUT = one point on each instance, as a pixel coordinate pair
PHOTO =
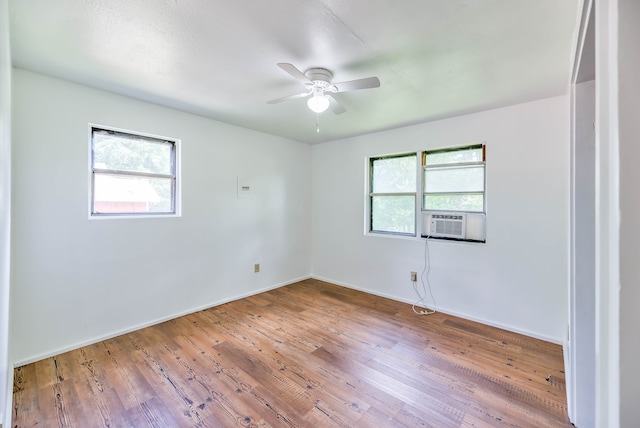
(310, 354)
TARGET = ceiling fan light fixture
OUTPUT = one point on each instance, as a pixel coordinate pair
(318, 103)
(319, 88)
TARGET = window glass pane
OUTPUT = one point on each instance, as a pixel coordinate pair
(121, 152)
(454, 202)
(465, 179)
(393, 214)
(126, 194)
(455, 156)
(394, 175)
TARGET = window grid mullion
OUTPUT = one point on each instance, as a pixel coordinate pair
(393, 194)
(455, 165)
(462, 192)
(132, 173)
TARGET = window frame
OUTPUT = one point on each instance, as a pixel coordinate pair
(371, 194)
(419, 210)
(174, 176)
(459, 165)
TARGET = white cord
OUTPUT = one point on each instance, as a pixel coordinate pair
(427, 269)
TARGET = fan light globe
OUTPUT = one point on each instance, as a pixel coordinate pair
(318, 103)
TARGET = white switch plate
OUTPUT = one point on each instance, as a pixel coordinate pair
(245, 188)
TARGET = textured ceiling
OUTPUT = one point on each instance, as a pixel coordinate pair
(434, 58)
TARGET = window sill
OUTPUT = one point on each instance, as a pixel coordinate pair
(131, 216)
(421, 238)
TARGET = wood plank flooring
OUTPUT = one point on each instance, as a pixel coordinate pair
(309, 354)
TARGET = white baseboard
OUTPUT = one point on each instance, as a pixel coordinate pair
(262, 290)
(446, 311)
(150, 323)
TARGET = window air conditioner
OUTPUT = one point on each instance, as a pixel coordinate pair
(447, 225)
(453, 225)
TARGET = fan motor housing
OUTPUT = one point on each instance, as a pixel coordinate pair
(319, 76)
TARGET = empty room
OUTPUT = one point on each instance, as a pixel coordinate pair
(317, 213)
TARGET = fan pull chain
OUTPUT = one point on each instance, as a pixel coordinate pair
(318, 123)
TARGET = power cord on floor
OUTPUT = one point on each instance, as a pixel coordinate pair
(425, 288)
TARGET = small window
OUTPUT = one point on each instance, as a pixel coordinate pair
(132, 174)
(392, 194)
(454, 179)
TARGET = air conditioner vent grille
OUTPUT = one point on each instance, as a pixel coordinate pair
(449, 227)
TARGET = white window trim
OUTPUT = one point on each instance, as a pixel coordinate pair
(178, 173)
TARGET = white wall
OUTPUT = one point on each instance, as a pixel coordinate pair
(629, 132)
(76, 280)
(518, 279)
(6, 371)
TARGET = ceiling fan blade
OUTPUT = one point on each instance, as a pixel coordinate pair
(294, 72)
(290, 97)
(334, 105)
(353, 85)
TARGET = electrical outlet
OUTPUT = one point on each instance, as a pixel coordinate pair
(414, 276)
(256, 267)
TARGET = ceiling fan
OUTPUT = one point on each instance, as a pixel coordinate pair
(317, 82)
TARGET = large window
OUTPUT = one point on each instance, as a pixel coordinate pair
(443, 197)
(132, 174)
(453, 179)
(392, 194)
